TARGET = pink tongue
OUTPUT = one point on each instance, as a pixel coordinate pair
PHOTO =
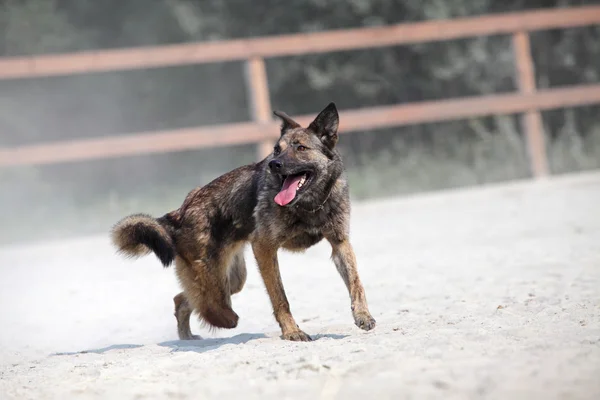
(288, 191)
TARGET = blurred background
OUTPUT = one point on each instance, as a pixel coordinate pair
(63, 199)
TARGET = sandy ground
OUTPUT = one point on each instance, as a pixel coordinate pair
(489, 293)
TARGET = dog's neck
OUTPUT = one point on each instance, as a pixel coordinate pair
(320, 207)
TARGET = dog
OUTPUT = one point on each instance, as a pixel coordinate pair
(293, 199)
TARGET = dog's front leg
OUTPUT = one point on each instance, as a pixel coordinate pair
(266, 258)
(345, 262)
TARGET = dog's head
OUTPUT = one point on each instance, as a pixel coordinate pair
(304, 163)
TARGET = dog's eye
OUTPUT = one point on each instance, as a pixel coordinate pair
(300, 148)
(276, 150)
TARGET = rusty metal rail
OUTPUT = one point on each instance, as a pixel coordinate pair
(527, 101)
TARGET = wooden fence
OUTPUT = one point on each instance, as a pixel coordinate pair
(263, 129)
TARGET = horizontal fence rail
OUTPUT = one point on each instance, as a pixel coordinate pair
(528, 101)
(296, 44)
(244, 133)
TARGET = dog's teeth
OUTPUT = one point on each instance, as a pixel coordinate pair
(302, 180)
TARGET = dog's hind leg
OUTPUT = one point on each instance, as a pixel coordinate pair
(206, 284)
(237, 273)
(183, 311)
(208, 290)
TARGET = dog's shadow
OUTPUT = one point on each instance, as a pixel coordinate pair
(198, 346)
(203, 345)
(100, 350)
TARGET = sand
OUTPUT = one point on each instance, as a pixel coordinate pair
(484, 293)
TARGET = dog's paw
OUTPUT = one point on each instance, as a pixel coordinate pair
(297, 336)
(364, 321)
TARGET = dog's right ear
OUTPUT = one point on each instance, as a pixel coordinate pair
(325, 125)
(286, 121)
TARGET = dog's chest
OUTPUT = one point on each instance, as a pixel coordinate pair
(307, 227)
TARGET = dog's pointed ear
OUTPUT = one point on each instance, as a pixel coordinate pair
(286, 121)
(325, 125)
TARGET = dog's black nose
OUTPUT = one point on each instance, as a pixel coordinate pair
(275, 165)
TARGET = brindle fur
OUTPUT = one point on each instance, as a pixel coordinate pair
(207, 234)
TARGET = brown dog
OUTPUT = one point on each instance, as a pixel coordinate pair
(292, 199)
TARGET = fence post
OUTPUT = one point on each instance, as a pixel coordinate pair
(531, 120)
(260, 103)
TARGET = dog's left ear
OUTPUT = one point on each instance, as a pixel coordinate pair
(286, 121)
(325, 125)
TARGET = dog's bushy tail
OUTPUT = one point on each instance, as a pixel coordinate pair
(139, 234)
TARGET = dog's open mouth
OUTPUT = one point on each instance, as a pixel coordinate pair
(292, 185)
